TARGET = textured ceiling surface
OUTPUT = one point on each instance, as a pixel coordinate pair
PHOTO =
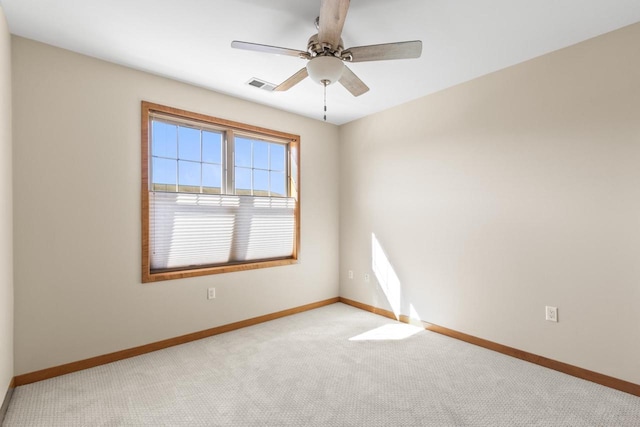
(189, 40)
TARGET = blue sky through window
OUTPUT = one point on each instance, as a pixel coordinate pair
(189, 144)
(260, 166)
(211, 147)
(164, 140)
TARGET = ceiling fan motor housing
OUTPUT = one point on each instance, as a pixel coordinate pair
(315, 47)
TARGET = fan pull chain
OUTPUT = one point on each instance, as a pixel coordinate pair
(325, 83)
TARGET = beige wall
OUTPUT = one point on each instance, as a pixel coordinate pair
(77, 213)
(514, 191)
(6, 212)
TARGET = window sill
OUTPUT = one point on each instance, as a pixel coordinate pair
(149, 277)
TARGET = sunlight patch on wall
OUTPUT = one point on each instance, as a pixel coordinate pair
(387, 277)
(414, 317)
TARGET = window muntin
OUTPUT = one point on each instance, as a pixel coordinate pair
(235, 195)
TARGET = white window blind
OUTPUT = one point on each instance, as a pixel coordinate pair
(190, 230)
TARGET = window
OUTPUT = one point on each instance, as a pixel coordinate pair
(217, 196)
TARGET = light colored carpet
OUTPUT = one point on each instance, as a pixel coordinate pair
(304, 370)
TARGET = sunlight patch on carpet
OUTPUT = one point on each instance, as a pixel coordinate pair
(392, 331)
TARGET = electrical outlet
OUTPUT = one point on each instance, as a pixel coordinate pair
(350, 274)
(211, 293)
(551, 313)
(366, 277)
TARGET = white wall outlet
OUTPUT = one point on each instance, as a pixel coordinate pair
(350, 274)
(551, 313)
(366, 277)
(211, 293)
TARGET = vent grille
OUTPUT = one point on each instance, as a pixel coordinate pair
(261, 84)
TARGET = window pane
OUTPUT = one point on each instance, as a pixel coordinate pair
(243, 181)
(243, 152)
(260, 155)
(260, 182)
(165, 140)
(188, 143)
(277, 157)
(164, 171)
(212, 147)
(188, 176)
(278, 184)
(211, 178)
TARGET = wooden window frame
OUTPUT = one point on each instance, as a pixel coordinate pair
(148, 109)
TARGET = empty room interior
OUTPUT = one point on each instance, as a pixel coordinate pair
(319, 212)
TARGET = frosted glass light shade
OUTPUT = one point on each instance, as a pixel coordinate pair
(327, 68)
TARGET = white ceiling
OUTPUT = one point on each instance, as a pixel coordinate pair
(189, 40)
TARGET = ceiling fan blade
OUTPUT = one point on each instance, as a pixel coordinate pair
(331, 20)
(268, 49)
(352, 83)
(292, 81)
(381, 52)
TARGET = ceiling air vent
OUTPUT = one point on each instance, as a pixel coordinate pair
(260, 84)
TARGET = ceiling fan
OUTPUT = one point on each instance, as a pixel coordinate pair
(326, 53)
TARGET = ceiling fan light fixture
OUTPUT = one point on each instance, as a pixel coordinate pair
(323, 69)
